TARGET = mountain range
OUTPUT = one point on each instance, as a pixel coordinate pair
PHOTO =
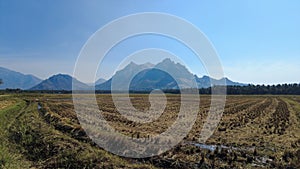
(139, 77)
(12, 79)
(164, 75)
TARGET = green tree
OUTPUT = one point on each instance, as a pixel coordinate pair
(1, 81)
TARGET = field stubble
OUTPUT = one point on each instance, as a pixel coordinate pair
(254, 132)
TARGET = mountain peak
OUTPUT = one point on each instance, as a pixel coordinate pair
(168, 60)
(13, 80)
(205, 77)
(60, 82)
(61, 75)
(132, 63)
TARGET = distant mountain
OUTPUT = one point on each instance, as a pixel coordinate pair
(13, 80)
(124, 75)
(164, 75)
(231, 83)
(206, 81)
(150, 79)
(179, 72)
(100, 81)
(60, 82)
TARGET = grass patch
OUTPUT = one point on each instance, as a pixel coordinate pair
(9, 155)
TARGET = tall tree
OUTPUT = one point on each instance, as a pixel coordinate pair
(1, 81)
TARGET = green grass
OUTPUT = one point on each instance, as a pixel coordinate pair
(9, 155)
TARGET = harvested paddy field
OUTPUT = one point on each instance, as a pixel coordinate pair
(43, 131)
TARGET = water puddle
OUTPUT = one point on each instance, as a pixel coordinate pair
(214, 147)
(39, 107)
(258, 161)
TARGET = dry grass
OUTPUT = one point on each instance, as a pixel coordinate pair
(258, 131)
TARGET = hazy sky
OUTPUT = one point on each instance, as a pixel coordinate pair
(257, 41)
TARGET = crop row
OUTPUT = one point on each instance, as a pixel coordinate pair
(247, 113)
(51, 113)
(279, 121)
(235, 107)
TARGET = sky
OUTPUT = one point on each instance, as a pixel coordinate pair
(257, 41)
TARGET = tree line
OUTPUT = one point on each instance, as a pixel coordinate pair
(280, 89)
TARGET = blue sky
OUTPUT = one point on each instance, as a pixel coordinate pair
(257, 41)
